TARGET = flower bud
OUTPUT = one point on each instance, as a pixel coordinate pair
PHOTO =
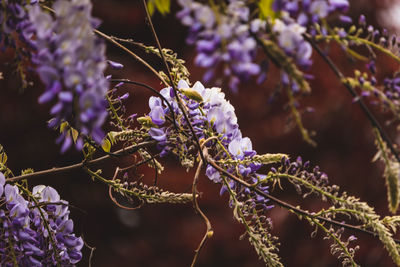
(192, 94)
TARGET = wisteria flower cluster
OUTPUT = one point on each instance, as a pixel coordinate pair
(36, 231)
(212, 117)
(71, 62)
(223, 39)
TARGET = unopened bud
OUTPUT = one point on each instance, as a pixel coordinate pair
(192, 94)
(210, 233)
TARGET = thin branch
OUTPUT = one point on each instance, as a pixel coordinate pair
(53, 171)
(209, 231)
(374, 122)
(92, 249)
(111, 40)
(286, 205)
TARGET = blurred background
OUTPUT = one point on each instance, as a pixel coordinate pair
(167, 235)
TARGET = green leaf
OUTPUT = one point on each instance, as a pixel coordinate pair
(150, 7)
(3, 155)
(106, 145)
(63, 126)
(266, 10)
(74, 134)
(162, 6)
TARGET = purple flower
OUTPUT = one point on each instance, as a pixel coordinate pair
(158, 134)
(115, 65)
(341, 5)
(290, 39)
(319, 8)
(213, 174)
(157, 115)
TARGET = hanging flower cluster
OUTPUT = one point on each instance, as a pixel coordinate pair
(37, 231)
(223, 39)
(214, 122)
(71, 61)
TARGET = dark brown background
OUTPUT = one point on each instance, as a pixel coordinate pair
(166, 235)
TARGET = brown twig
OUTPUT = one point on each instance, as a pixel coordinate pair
(53, 171)
(209, 231)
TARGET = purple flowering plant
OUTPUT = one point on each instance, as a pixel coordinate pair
(235, 41)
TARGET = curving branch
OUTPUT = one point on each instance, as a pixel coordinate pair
(125, 151)
(374, 122)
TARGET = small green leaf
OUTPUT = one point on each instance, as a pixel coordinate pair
(63, 126)
(150, 7)
(3, 155)
(74, 134)
(3, 158)
(162, 6)
(266, 10)
(106, 145)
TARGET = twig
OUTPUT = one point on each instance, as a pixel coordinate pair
(108, 38)
(92, 249)
(209, 231)
(124, 151)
